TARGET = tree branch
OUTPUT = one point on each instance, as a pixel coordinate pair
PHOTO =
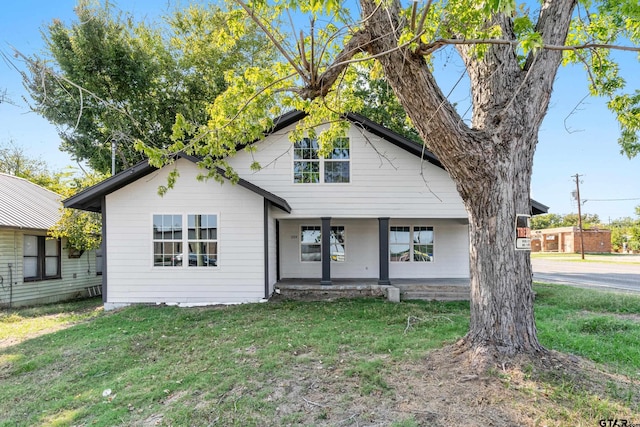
(355, 45)
(60, 78)
(429, 48)
(275, 42)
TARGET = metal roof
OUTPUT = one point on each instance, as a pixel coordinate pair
(24, 204)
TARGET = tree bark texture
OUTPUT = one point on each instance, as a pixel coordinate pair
(490, 161)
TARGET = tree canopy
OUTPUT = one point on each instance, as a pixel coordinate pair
(551, 220)
(81, 229)
(107, 79)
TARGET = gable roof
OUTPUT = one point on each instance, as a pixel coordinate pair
(369, 125)
(390, 136)
(90, 199)
(417, 149)
(24, 204)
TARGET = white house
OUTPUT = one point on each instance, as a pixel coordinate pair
(379, 208)
(33, 268)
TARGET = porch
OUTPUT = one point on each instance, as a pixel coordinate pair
(438, 289)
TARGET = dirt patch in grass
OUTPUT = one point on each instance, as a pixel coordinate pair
(24, 325)
(14, 340)
(445, 390)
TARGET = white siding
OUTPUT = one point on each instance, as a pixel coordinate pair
(77, 274)
(273, 252)
(450, 250)
(386, 181)
(132, 278)
(362, 251)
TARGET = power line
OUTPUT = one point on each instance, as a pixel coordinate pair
(609, 200)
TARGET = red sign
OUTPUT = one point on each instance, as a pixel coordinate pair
(523, 232)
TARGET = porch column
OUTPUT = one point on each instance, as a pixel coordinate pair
(326, 251)
(383, 250)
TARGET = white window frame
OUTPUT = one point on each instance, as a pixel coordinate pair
(337, 257)
(332, 242)
(302, 243)
(412, 243)
(322, 164)
(206, 257)
(177, 261)
(426, 257)
(172, 261)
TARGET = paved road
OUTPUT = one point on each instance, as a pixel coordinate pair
(610, 275)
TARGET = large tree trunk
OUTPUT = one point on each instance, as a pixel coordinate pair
(490, 162)
(502, 318)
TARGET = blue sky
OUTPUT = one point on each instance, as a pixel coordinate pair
(576, 137)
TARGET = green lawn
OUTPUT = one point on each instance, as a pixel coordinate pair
(225, 365)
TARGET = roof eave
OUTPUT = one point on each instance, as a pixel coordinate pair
(538, 208)
(91, 198)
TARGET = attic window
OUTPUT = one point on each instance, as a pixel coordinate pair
(310, 168)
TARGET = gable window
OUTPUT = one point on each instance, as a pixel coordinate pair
(336, 165)
(411, 244)
(41, 258)
(311, 243)
(310, 167)
(200, 241)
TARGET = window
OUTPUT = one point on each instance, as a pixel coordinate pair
(338, 242)
(99, 261)
(336, 165)
(201, 240)
(167, 240)
(399, 247)
(306, 164)
(411, 244)
(309, 167)
(311, 243)
(423, 244)
(41, 258)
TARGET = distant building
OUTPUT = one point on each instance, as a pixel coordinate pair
(35, 269)
(567, 240)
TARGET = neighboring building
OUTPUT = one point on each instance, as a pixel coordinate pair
(378, 209)
(33, 268)
(568, 240)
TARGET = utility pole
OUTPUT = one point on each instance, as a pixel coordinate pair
(113, 157)
(577, 177)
